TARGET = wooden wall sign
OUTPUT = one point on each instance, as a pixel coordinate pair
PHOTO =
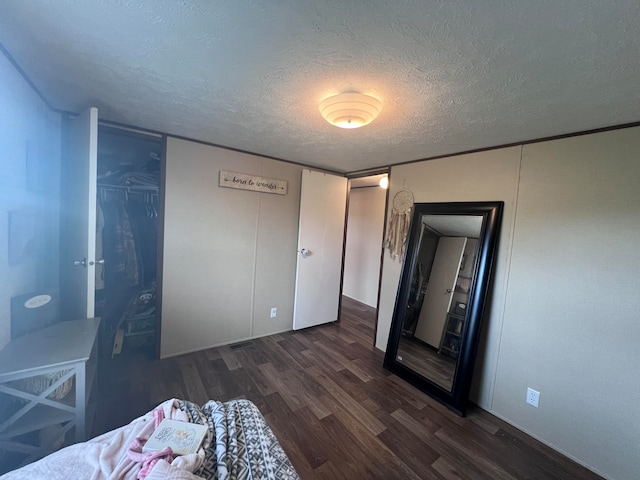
(242, 181)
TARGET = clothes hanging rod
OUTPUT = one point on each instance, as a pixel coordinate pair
(130, 188)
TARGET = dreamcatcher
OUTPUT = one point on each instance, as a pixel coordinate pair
(399, 222)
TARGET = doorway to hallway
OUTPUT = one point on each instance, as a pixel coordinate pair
(364, 246)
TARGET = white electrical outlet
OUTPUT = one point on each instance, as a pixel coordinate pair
(274, 312)
(533, 397)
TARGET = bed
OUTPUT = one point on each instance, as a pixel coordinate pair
(238, 445)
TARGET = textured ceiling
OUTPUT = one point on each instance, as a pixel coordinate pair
(452, 76)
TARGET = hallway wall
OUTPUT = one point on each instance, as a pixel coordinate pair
(365, 225)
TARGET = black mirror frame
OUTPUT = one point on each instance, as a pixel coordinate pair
(458, 398)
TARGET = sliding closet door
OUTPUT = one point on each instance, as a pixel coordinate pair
(78, 217)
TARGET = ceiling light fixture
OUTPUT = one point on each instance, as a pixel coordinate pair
(384, 182)
(350, 110)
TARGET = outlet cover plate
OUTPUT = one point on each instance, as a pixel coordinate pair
(274, 312)
(533, 397)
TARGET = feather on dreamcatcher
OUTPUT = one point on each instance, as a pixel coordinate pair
(399, 222)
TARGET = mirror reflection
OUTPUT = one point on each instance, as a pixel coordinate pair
(446, 273)
(436, 309)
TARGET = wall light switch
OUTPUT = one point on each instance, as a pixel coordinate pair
(274, 312)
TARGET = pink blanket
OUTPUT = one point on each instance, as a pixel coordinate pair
(105, 457)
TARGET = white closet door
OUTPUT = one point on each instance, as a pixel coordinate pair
(78, 217)
(323, 200)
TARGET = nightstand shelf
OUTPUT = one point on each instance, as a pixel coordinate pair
(67, 351)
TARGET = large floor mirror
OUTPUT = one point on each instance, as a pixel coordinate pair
(441, 297)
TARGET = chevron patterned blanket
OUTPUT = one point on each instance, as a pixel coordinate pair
(242, 446)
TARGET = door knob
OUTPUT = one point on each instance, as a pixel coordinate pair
(82, 262)
(100, 262)
(305, 253)
(448, 290)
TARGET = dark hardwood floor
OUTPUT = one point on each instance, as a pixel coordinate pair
(335, 410)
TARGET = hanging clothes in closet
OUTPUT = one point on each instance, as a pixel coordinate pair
(128, 229)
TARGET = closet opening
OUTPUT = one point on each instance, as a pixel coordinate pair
(127, 235)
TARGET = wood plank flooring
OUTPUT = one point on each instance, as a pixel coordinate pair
(337, 413)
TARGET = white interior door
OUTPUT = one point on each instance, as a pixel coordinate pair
(323, 200)
(440, 287)
(78, 217)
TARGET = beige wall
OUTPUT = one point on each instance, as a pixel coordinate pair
(572, 323)
(229, 255)
(563, 315)
(28, 129)
(365, 224)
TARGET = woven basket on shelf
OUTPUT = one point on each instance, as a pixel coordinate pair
(38, 384)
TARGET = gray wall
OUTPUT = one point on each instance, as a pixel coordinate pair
(365, 225)
(229, 255)
(563, 318)
(29, 151)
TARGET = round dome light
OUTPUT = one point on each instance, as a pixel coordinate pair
(350, 110)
